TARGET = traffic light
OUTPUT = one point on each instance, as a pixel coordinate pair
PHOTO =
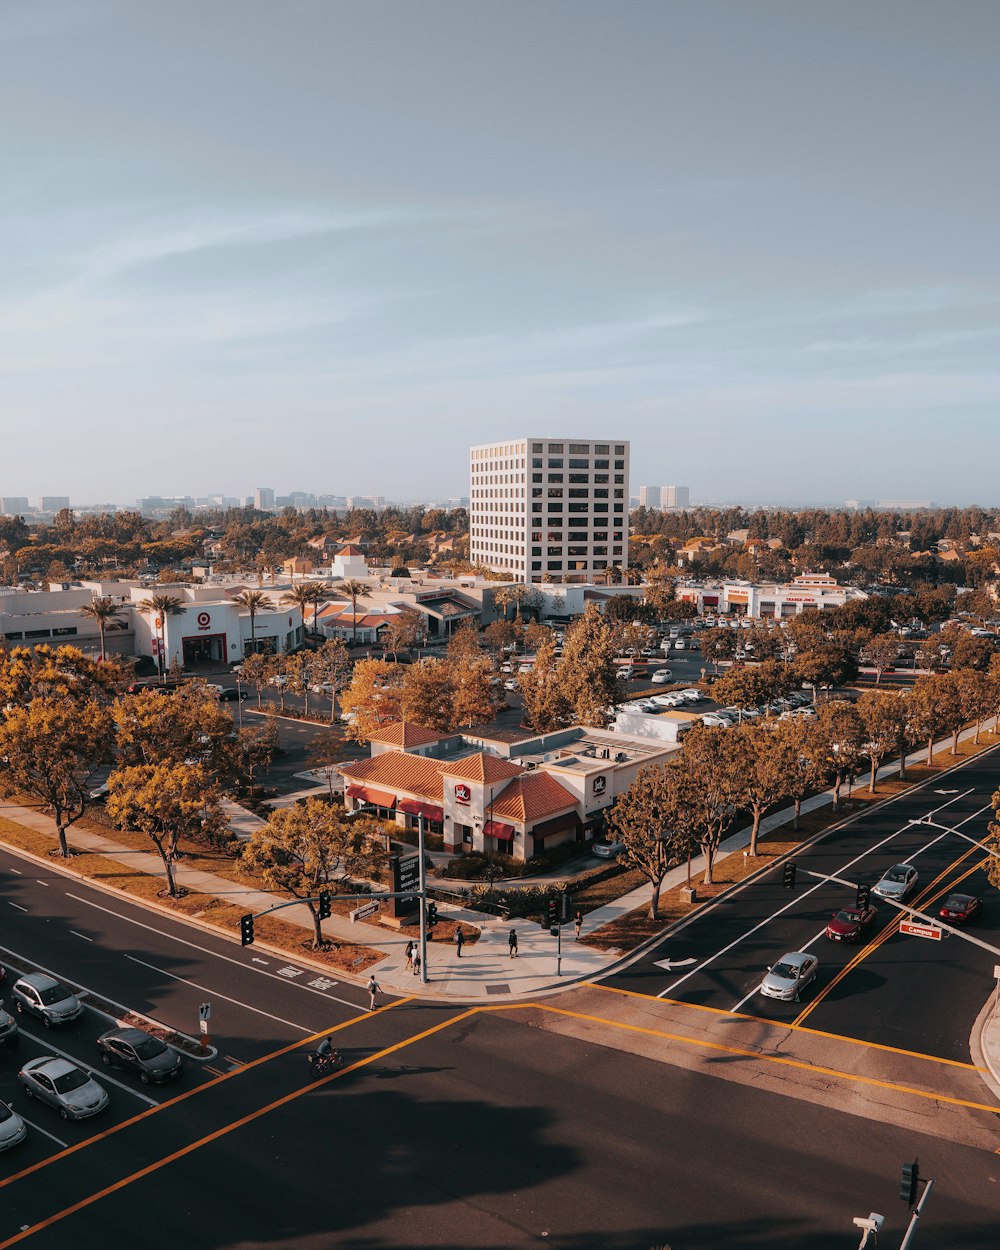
(325, 910)
(908, 1183)
(552, 913)
(246, 930)
(432, 914)
(864, 894)
(788, 875)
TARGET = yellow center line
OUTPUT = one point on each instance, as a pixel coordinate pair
(757, 1055)
(926, 896)
(799, 1028)
(229, 1128)
(198, 1089)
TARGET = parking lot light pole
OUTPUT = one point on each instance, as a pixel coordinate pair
(423, 901)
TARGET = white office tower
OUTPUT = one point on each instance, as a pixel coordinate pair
(554, 510)
(649, 496)
(675, 496)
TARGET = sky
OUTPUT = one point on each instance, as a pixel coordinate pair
(326, 245)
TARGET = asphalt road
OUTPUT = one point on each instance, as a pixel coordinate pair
(890, 989)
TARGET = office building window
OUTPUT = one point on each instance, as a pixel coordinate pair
(555, 447)
(619, 449)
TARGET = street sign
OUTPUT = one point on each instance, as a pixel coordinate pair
(205, 1011)
(405, 880)
(915, 929)
(203, 1027)
(366, 909)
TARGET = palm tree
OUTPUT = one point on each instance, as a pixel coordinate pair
(354, 590)
(300, 596)
(163, 606)
(254, 601)
(102, 610)
(319, 592)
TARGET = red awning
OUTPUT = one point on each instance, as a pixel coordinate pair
(414, 807)
(378, 798)
(497, 829)
(558, 824)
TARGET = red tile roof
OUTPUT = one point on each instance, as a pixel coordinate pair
(398, 770)
(405, 734)
(532, 797)
(482, 768)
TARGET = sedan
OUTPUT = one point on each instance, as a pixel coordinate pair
(8, 1027)
(660, 677)
(46, 998)
(692, 696)
(12, 1128)
(232, 696)
(152, 1059)
(850, 923)
(787, 978)
(961, 908)
(608, 850)
(898, 883)
(72, 1091)
(716, 720)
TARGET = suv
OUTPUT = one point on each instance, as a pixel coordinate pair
(42, 996)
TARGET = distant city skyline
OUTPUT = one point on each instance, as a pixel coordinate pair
(757, 241)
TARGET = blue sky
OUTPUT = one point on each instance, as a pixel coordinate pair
(326, 246)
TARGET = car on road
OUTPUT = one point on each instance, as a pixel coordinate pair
(43, 996)
(510, 684)
(625, 673)
(12, 1128)
(140, 1052)
(850, 923)
(212, 687)
(8, 1027)
(70, 1089)
(787, 978)
(661, 677)
(961, 908)
(898, 883)
(610, 849)
(232, 696)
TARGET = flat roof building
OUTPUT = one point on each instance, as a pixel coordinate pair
(543, 509)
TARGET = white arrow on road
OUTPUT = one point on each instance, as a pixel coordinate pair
(670, 964)
(258, 961)
(946, 792)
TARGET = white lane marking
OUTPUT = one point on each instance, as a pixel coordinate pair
(18, 906)
(205, 951)
(20, 874)
(215, 994)
(48, 1048)
(81, 935)
(45, 1132)
(39, 881)
(774, 915)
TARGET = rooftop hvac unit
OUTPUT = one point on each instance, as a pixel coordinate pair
(621, 757)
(529, 766)
(605, 753)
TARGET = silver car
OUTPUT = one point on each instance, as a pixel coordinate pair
(898, 883)
(71, 1090)
(789, 976)
(12, 1128)
(131, 1048)
(8, 1027)
(42, 996)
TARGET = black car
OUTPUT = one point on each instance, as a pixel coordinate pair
(152, 1059)
(232, 696)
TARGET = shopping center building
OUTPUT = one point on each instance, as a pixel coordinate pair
(515, 794)
(806, 593)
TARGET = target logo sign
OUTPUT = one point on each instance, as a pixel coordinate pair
(204, 620)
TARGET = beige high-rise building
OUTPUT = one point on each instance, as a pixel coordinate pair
(545, 509)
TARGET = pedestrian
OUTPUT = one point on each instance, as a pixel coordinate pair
(409, 954)
(416, 963)
(578, 922)
(373, 989)
(512, 943)
(459, 941)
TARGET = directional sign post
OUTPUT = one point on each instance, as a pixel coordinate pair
(915, 929)
(204, 1015)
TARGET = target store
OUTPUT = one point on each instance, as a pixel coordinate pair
(207, 632)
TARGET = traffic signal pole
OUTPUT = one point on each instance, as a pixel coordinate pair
(423, 901)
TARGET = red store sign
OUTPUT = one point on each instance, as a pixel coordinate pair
(463, 794)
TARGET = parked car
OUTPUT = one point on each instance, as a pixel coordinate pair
(510, 683)
(232, 696)
(898, 883)
(12, 1128)
(8, 1028)
(212, 687)
(676, 699)
(42, 996)
(961, 908)
(625, 673)
(716, 720)
(787, 978)
(71, 1090)
(139, 1052)
(661, 677)
(692, 696)
(850, 923)
(608, 849)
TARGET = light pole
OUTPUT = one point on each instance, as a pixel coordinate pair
(239, 700)
(423, 900)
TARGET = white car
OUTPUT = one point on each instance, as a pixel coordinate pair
(692, 696)
(213, 689)
(12, 1127)
(789, 976)
(661, 677)
(625, 673)
(668, 700)
(898, 883)
(716, 720)
(510, 684)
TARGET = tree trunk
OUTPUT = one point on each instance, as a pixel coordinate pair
(709, 852)
(871, 778)
(317, 927)
(61, 832)
(930, 751)
(797, 816)
(979, 728)
(954, 739)
(168, 867)
(836, 793)
(754, 831)
(654, 902)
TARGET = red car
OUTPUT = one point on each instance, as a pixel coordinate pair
(961, 908)
(850, 923)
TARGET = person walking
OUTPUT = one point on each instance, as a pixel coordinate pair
(410, 947)
(578, 923)
(459, 941)
(374, 989)
(416, 963)
(512, 943)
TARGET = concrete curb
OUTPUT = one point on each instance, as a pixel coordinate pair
(981, 1055)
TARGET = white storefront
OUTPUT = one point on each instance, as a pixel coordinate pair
(210, 630)
(805, 593)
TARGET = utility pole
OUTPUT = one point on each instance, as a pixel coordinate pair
(423, 901)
